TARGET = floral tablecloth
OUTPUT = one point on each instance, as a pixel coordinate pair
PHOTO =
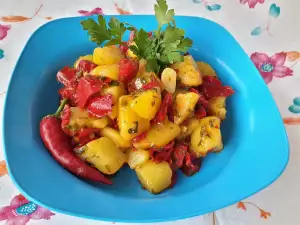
(269, 32)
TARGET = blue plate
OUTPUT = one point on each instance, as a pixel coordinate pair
(256, 146)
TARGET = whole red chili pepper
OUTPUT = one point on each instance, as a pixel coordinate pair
(59, 146)
(87, 87)
(86, 66)
(161, 115)
(67, 76)
(100, 106)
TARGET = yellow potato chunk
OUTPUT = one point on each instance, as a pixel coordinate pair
(116, 92)
(168, 78)
(86, 57)
(159, 135)
(146, 103)
(103, 154)
(188, 72)
(155, 177)
(188, 129)
(206, 70)
(184, 106)
(110, 71)
(137, 157)
(206, 137)
(130, 123)
(115, 136)
(107, 55)
(217, 107)
(80, 118)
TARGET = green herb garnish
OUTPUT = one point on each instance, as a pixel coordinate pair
(166, 47)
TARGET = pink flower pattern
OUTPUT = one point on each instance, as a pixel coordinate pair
(20, 211)
(3, 31)
(270, 67)
(252, 3)
(95, 11)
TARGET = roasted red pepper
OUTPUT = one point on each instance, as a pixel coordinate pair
(70, 94)
(85, 135)
(191, 165)
(67, 76)
(124, 48)
(162, 153)
(200, 112)
(152, 84)
(86, 66)
(65, 120)
(161, 115)
(59, 145)
(178, 156)
(87, 87)
(128, 69)
(100, 106)
(212, 87)
(202, 99)
(139, 137)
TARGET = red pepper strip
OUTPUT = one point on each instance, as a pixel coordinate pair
(59, 146)
(200, 112)
(67, 76)
(85, 135)
(164, 155)
(128, 69)
(139, 137)
(152, 84)
(100, 106)
(161, 115)
(201, 100)
(70, 94)
(86, 66)
(163, 148)
(212, 87)
(87, 87)
(191, 165)
(65, 120)
(178, 156)
(124, 48)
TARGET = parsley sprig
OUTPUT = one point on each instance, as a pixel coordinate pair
(166, 47)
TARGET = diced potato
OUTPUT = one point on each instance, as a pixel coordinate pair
(155, 177)
(206, 137)
(86, 57)
(129, 53)
(217, 107)
(103, 154)
(146, 103)
(187, 71)
(188, 128)
(159, 135)
(107, 55)
(184, 106)
(130, 123)
(80, 118)
(137, 157)
(168, 78)
(115, 136)
(219, 147)
(206, 70)
(110, 71)
(116, 92)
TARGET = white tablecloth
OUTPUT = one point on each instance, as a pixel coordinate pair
(268, 30)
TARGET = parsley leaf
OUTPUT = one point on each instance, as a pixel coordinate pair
(98, 32)
(163, 15)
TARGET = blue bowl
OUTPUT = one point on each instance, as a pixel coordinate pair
(256, 146)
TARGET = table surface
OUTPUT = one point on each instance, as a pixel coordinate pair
(266, 29)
